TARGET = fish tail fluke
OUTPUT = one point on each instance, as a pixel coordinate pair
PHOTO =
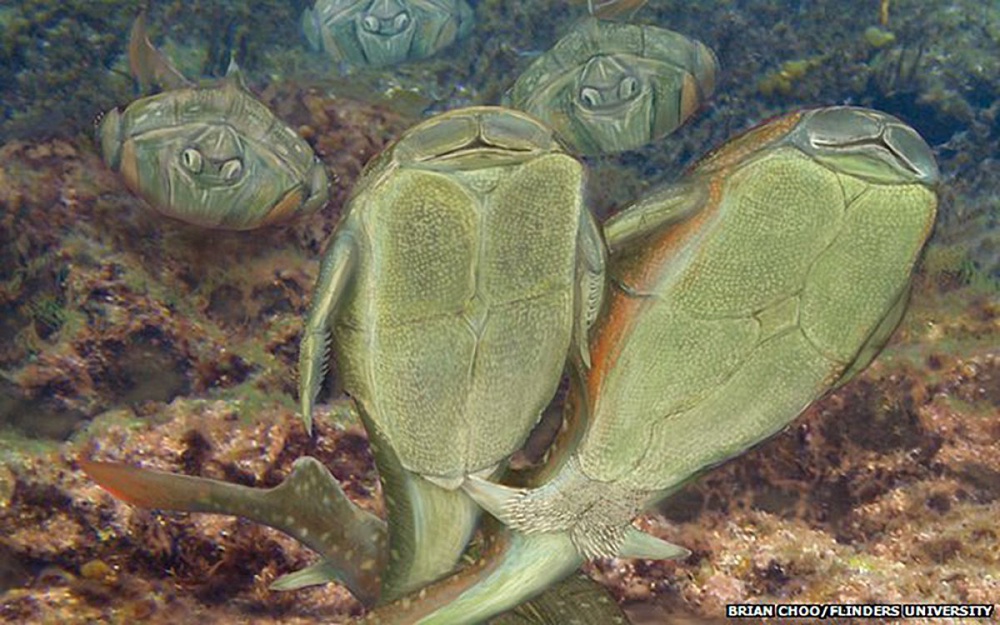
(532, 563)
(308, 505)
(150, 489)
(512, 569)
(429, 530)
(149, 67)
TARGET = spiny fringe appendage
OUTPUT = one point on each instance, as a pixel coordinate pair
(314, 355)
(594, 518)
(324, 367)
(595, 298)
(596, 514)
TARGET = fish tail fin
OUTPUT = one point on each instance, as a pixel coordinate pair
(150, 489)
(149, 67)
(309, 505)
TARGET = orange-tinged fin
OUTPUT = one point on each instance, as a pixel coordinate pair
(309, 505)
(691, 94)
(149, 489)
(148, 66)
(285, 207)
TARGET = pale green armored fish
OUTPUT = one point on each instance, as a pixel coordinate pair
(607, 87)
(211, 156)
(465, 271)
(385, 32)
(773, 272)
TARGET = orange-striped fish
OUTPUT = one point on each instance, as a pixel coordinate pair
(775, 271)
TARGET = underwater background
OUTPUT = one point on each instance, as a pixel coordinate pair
(130, 336)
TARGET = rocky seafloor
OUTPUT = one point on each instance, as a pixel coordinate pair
(127, 336)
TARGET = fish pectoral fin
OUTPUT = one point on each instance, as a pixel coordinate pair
(659, 209)
(320, 573)
(335, 273)
(639, 544)
(590, 282)
(492, 497)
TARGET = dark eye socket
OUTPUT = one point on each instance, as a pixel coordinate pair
(590, 97)
(628, 87)
(370, 23)
(191, 160)
(401, 21)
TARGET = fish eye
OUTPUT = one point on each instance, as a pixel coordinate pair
(590, 97)
(370, 23)
(191, 160)
(231, 170)
(401, 21)
(627, 88)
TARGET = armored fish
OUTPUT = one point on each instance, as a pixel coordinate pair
(773, 272)
(465, 273)
(606, 87)
(213, 156)
(376, 33)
